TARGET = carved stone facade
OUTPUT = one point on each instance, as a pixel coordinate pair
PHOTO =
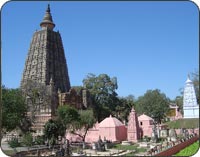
(80, 100)
(46, 58)
(46, 65)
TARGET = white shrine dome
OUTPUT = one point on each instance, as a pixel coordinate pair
(110, 122)
(188, 81)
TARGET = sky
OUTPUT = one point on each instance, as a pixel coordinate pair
(146, 45)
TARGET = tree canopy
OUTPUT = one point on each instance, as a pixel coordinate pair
(13, 109)
(179, 102)
(74, 120)
(53, 129)
(195, 80)
(124, 107)
(154, 104)
(103, 91)
(87, 121)
(68, 115)
(38, 97)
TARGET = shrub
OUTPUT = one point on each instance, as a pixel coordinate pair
(162, 139)
(14, 143)
(39, 140)
(27, 139)
(146, 139)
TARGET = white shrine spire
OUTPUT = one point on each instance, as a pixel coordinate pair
(190, 106)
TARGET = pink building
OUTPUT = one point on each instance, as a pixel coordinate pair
(114, 130)
(93, 134)
(110, 128)
(146, 125)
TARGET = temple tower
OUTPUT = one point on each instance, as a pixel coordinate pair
(190, 106)
(46, 58)
(45, 70)
(133, 127)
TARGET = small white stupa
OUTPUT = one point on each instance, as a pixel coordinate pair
(190, 106)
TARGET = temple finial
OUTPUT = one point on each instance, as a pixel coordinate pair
(48, 8)
(47, 21)
(188, 76)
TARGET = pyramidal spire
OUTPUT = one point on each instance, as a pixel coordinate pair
(47, 21)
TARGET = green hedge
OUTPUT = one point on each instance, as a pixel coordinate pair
(184, 123)
(14, 143)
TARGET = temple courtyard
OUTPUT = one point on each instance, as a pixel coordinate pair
(173, 142)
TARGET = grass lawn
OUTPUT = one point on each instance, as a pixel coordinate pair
(125, 147)
(130, 147)
(8, 152)
(190, 150)
(184, 123)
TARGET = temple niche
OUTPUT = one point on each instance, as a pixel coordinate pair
(80, 100)
(190, 106)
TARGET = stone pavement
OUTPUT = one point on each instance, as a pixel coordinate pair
(5, 146)
(109, 152)
(88, 152)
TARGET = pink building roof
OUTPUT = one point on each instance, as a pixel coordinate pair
(144, 117)
(110, 122)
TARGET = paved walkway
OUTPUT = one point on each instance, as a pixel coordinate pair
(5, 146)
(109, 152)
(88, 152)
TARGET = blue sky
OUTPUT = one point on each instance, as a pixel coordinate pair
(146, 45)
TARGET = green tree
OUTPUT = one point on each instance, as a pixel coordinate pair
(103, 92)
(179, 102)
(74, 120)
(38, 96)
(154, 104)
(87, 121)
(13, 109)
(27, 139)
(53, 129)
(195, 80)
(124, 107)
(68, 116)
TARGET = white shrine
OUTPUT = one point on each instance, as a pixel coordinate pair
(190, 106)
